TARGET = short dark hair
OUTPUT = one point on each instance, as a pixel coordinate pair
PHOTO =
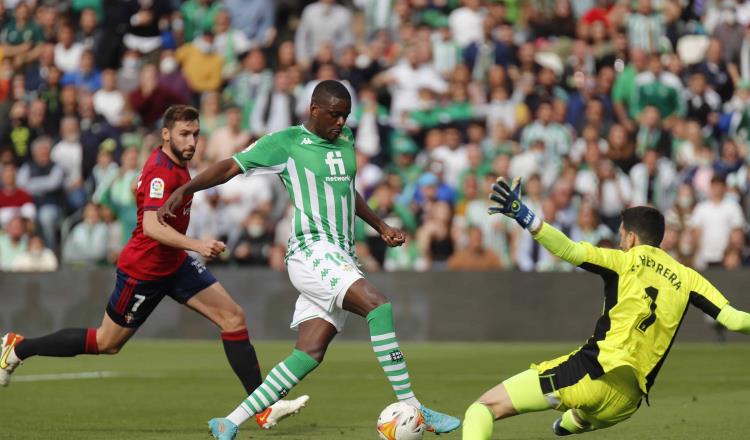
(646, 222)
(719, 178)
(179, 112)
(328, 89)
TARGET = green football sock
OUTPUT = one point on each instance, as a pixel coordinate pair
(386, 348)
(280, 380)
(478, 422)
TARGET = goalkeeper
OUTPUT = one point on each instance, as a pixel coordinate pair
(646, 295)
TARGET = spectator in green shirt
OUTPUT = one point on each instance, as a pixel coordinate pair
(656, 88)
(624, 87)
(20, 36)
(198, 16)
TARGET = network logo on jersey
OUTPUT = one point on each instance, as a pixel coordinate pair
(336, 166)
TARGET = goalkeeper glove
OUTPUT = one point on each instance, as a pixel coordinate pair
(508, 199)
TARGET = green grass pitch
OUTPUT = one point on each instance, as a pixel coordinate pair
(169, 389)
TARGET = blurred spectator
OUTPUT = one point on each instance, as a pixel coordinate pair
(85, 76)
(109, 101)
(252, 82)
(150, 99)
(198, 16)
(227, 140)
(716, 71)
(171, 77)
(555, 137)
(119, 194)
(703, 104)
(67, 51)
(254, 243)
(201, 63)
(114, 233)
(653, 181)
(713, 222)
(588, 227)
(36, 258)
(230, 43)
(14, 201)
(322, 21)
(87, 242)
(275, 108)
(405, 79)
(44, 180)
(659, 89)
(21, 35)
(256, 18)
(474, 257)
(466, 23)
(68, 153)
(13, 242)
(434, 236)
(143, 33)
(208, 216)
(645, 26)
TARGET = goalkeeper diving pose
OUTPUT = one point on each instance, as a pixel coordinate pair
(646, 295)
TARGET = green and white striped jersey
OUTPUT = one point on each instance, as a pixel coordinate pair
(319, 176)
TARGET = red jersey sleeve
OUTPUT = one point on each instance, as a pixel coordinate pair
(157, 184)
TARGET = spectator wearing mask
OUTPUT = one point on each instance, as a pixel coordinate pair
(254, 244)
(713, 222)
(201, 63)
(252, 82)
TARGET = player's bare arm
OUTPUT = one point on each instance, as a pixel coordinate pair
(167, 235)
(214, 175)
(391, 236)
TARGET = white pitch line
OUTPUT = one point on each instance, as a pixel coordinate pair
(78, 376)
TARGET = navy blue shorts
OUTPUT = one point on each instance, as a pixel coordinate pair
(133, 300)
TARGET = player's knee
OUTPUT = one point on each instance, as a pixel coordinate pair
(233, 319)
(109, 347)
(315, 352)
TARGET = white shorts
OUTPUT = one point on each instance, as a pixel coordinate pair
(322, 274)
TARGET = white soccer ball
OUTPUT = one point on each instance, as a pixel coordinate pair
(400, 421)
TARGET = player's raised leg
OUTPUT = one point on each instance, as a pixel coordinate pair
(312, 342)
(365, 300)
(520, 394)
(107, 339)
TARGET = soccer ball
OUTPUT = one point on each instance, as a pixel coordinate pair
(400, 421)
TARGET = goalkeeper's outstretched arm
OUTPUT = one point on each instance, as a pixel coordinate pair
(735, 320)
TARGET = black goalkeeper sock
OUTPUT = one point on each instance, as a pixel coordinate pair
(64, 343)
(241, 356)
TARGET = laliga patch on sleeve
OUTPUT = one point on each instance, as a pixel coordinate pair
(156, 188)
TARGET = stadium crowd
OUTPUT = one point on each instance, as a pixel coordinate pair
(596, 104)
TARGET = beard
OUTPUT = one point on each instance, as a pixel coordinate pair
(182, 155)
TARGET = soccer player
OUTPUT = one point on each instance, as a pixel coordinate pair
(646, 295)
(316, 162)
(154, 264)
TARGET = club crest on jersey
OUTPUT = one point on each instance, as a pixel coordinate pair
(156, 188)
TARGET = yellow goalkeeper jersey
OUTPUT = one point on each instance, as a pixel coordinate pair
(646, 295)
